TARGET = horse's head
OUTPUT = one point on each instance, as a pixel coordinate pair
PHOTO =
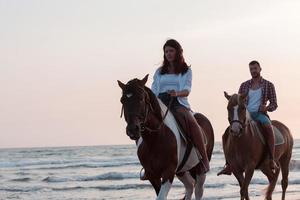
(136, 105)
(237, 112)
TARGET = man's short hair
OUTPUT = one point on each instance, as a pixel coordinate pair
(253, 62)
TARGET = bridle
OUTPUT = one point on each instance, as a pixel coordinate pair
(148, 108)
(243, 124)
(238, 121)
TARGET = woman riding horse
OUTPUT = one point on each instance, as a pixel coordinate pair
(172, 85)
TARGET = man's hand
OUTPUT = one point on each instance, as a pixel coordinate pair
(263, 108)
(172, 93)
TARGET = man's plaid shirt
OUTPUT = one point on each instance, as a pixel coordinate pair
(268, 92)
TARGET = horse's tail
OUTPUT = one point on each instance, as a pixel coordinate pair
(286, 133)
(209, 132)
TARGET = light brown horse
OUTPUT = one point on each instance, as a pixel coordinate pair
(245, 152)
(160, 147)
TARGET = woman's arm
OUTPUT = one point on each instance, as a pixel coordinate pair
(155, 83)
(186, 85)
(182, 93)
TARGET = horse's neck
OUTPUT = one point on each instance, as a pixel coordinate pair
(155, 107)
(152, 121)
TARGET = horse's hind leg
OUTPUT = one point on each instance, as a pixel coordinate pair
(272, 177)
(284, 163)
(188, 182)
(200, 178)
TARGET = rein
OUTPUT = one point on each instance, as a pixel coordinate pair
(164, 117)
(238, 121)
(148, 104)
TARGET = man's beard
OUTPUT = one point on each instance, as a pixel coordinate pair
(255, 75)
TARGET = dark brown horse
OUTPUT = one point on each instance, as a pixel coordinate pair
(244, 151)
(160, 147)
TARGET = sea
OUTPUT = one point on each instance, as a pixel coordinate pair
(112, 172)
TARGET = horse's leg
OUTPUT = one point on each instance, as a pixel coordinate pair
(272, 177)
(200, 178)
(156, 183)
(285, 163)
(240, 178)
(188, 183)
(167, 180)
(248, 176)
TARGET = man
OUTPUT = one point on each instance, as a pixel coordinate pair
(259, 91)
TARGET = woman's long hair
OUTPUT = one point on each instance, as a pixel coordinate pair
(179, 63)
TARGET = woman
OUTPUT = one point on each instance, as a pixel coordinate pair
(174, 80)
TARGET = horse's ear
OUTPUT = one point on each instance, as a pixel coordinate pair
(227, 96)
(144, 80)
(122, 85)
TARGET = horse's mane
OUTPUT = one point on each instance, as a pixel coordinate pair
(154, 103)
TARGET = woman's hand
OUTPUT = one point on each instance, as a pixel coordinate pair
(183, 93)
(172, 93)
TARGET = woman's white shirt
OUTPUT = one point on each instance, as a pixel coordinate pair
(178, 82)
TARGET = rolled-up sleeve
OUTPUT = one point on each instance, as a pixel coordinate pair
(272, 98)
(243, 88)
(187, 84)
(155, 83)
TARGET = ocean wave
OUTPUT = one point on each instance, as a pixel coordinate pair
(31, 163)
(27, 189)
(103, 188)
(143, 186)
(111, 176)
(21, 173)
(217, 152)
(113, 187)
(26, 179)
(55, 179)
(48, 165)
(294, 165)
(106, 176)
(106, 188)
(123, 187)
(89, 165)
(294, 182)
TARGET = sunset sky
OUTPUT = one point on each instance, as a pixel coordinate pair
(60, 61)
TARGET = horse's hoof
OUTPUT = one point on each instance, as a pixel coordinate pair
(225, 171)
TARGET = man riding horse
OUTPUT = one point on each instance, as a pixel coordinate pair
(259, 91)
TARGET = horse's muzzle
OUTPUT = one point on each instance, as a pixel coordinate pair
(133, 131)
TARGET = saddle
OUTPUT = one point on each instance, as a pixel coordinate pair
(257, 129)
(183, 131)
(189, 156)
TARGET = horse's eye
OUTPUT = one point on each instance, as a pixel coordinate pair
(129, 95)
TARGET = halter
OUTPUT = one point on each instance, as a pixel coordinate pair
(243, 124)
(147, 105)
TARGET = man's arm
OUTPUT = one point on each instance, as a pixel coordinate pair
(243, 88)
(272, 98)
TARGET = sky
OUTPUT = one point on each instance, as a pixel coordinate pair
(60, 61)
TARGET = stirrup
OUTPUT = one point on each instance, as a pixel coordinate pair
(143, 176)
